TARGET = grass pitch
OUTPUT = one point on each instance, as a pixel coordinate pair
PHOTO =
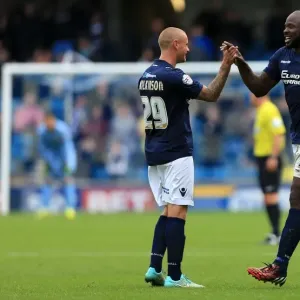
(105, 257)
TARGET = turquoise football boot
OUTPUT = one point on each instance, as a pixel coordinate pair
(156, 279)
(182, 282)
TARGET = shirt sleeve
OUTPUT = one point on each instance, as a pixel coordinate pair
(276, 123)
(273, 69)
(189, 87)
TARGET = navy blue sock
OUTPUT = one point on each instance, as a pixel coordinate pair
(175, 239)
(289, 238)
(159, 244)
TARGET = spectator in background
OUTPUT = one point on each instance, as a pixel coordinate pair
(212, 137)
(26, 119)
(123, 126)
(117, 160)
(42, 55)
(62, 22)
(87, 49)
(147, 55)
(79, 115)
(202, 47)
(235, 29)
(96, 128)
(103, 98)
(60, 48)
(96, 29)
(211, 18)
(93, 139)
(157, 25)
(29, 114)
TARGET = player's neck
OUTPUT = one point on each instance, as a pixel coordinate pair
(297, 50)
(170, 60)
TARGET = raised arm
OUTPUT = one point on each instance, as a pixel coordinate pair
(212, 92)
(260, 84)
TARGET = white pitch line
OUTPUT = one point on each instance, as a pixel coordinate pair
(126, 254)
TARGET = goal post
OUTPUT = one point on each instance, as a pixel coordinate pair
(72, 69)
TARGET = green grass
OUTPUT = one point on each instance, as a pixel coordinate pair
(104, 257)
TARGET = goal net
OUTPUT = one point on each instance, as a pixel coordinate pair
(101, 104)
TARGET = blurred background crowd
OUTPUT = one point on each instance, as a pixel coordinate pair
(99, 30)
(105, 113)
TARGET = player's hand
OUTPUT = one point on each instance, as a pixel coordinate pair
(226, 46)
(272, 164)
(229, 55)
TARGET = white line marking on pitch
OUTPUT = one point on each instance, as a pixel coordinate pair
(122, 254)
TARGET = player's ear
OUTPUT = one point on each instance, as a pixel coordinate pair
(176, 44)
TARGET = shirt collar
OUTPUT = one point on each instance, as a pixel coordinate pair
(161, 62)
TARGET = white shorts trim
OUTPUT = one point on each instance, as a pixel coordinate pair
(173, 183)
(296, 150)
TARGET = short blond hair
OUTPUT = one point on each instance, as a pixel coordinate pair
(168, 35)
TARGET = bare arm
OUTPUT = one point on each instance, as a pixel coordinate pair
(259, 85)
(272, 161)
(212, 92)
(277, 142)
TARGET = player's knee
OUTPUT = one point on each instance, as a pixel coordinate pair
(177, 211)
(295, 193)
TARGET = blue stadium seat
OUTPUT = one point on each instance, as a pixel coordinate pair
(233, 148)
(209, 174)
(99, 173)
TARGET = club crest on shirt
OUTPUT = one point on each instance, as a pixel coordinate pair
(186, 79)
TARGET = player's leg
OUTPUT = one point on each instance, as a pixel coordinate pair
(277, 271)
(70, 197)
(178, 190)
(175, 239)
(46, 194)
(154, 274)
(270, 183)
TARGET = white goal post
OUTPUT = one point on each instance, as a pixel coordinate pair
(11, 69)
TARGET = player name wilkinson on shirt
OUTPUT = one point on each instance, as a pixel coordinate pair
(151, 85)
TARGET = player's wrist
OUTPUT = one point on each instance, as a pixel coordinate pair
(226, 65)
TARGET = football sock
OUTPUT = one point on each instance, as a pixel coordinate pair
(273, 212)
(289, 238)
(159, 244)
(175, 239)
(46, 193)
(70, 195)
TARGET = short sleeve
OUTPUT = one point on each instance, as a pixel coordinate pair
(189, 87)
(276, 124)
(273, 69)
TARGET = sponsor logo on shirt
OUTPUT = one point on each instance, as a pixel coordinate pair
(186, 79)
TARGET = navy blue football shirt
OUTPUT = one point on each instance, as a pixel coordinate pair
(165, 93)
(285, 65)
